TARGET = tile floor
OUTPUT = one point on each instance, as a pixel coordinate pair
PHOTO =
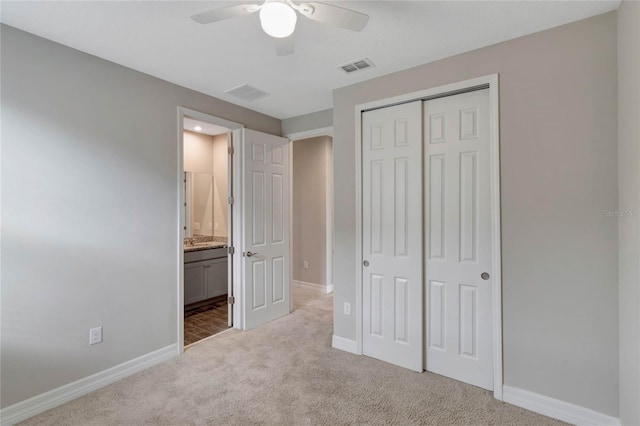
(205, 321)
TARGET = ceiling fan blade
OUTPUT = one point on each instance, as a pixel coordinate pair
(334, 15)
(285, 46)
(223, 13)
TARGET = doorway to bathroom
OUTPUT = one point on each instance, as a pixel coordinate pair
(207, 306)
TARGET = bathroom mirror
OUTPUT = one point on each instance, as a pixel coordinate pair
(199, 205)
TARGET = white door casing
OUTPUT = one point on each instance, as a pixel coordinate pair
(266, 252)
(392, 234)
(458, 247)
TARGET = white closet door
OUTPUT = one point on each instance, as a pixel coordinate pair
(392, 235)
(458, 238)
(265, 217)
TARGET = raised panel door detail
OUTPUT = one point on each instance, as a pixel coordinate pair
(469, 123)
(436, 218)
(468, 206)
(258, 152)
(277, 156)
(401, 310)
(376, 137)
(463, 305)
(277, 205)
(277, 269)
(376, 207)
(376, 304)
(401, 207)
(258, 219)
(437, 308)
(259, 285)
(392, 217)
(468, 320)
(437, 125)
(401, 132)
(264, 228)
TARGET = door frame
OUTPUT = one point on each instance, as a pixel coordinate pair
(492, 81)
(329, 225)
(236, 228)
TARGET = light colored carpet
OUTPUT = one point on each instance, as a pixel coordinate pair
(285, 373)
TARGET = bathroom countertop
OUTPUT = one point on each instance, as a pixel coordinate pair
(204, 246)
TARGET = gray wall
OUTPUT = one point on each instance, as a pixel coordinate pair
(629, 193)
(301, 123)
(89, 211)
(310, 158)
(558, 102)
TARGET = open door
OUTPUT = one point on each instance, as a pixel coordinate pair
(230, 227)
(265, 216)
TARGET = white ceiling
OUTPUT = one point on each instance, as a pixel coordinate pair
(159, 38)
(206, 128)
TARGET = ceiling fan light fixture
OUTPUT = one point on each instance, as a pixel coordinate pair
(278, 19)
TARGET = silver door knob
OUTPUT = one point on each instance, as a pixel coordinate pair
(250, 254)
(485, 276)
(365, 263)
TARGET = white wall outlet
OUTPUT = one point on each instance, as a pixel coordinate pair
(216, 226)
(196, 226)
(305, 264)
(95, 336)
(347, 308)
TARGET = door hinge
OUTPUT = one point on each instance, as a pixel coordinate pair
(230, 200)
(231, 150)
(231, 250)
(231, 300)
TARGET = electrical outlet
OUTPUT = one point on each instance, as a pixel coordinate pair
(95, 336)
(305, 264)
(196, 226)
(215, 226)
(347, 308)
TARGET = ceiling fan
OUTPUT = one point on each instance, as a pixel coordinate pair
(278, 18)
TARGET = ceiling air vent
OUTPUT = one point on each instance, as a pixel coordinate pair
(247, 93)
(358, 65)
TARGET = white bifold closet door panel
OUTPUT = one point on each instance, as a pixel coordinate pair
(392, 235)
(265, 217)
(458, 298)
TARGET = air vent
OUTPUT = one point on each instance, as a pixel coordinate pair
(247, 93)
(358, 65)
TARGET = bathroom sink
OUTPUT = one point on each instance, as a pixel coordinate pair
(203, 245)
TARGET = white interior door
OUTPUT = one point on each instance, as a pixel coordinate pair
(392, 235)
(266, 253)
(230, 235)
(458, 238)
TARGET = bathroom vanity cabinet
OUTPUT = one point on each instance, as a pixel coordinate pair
(205, 275)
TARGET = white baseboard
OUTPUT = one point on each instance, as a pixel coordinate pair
(557, 409)
(329, 288)
(346, 345)
(307, 284)
(40, 403)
